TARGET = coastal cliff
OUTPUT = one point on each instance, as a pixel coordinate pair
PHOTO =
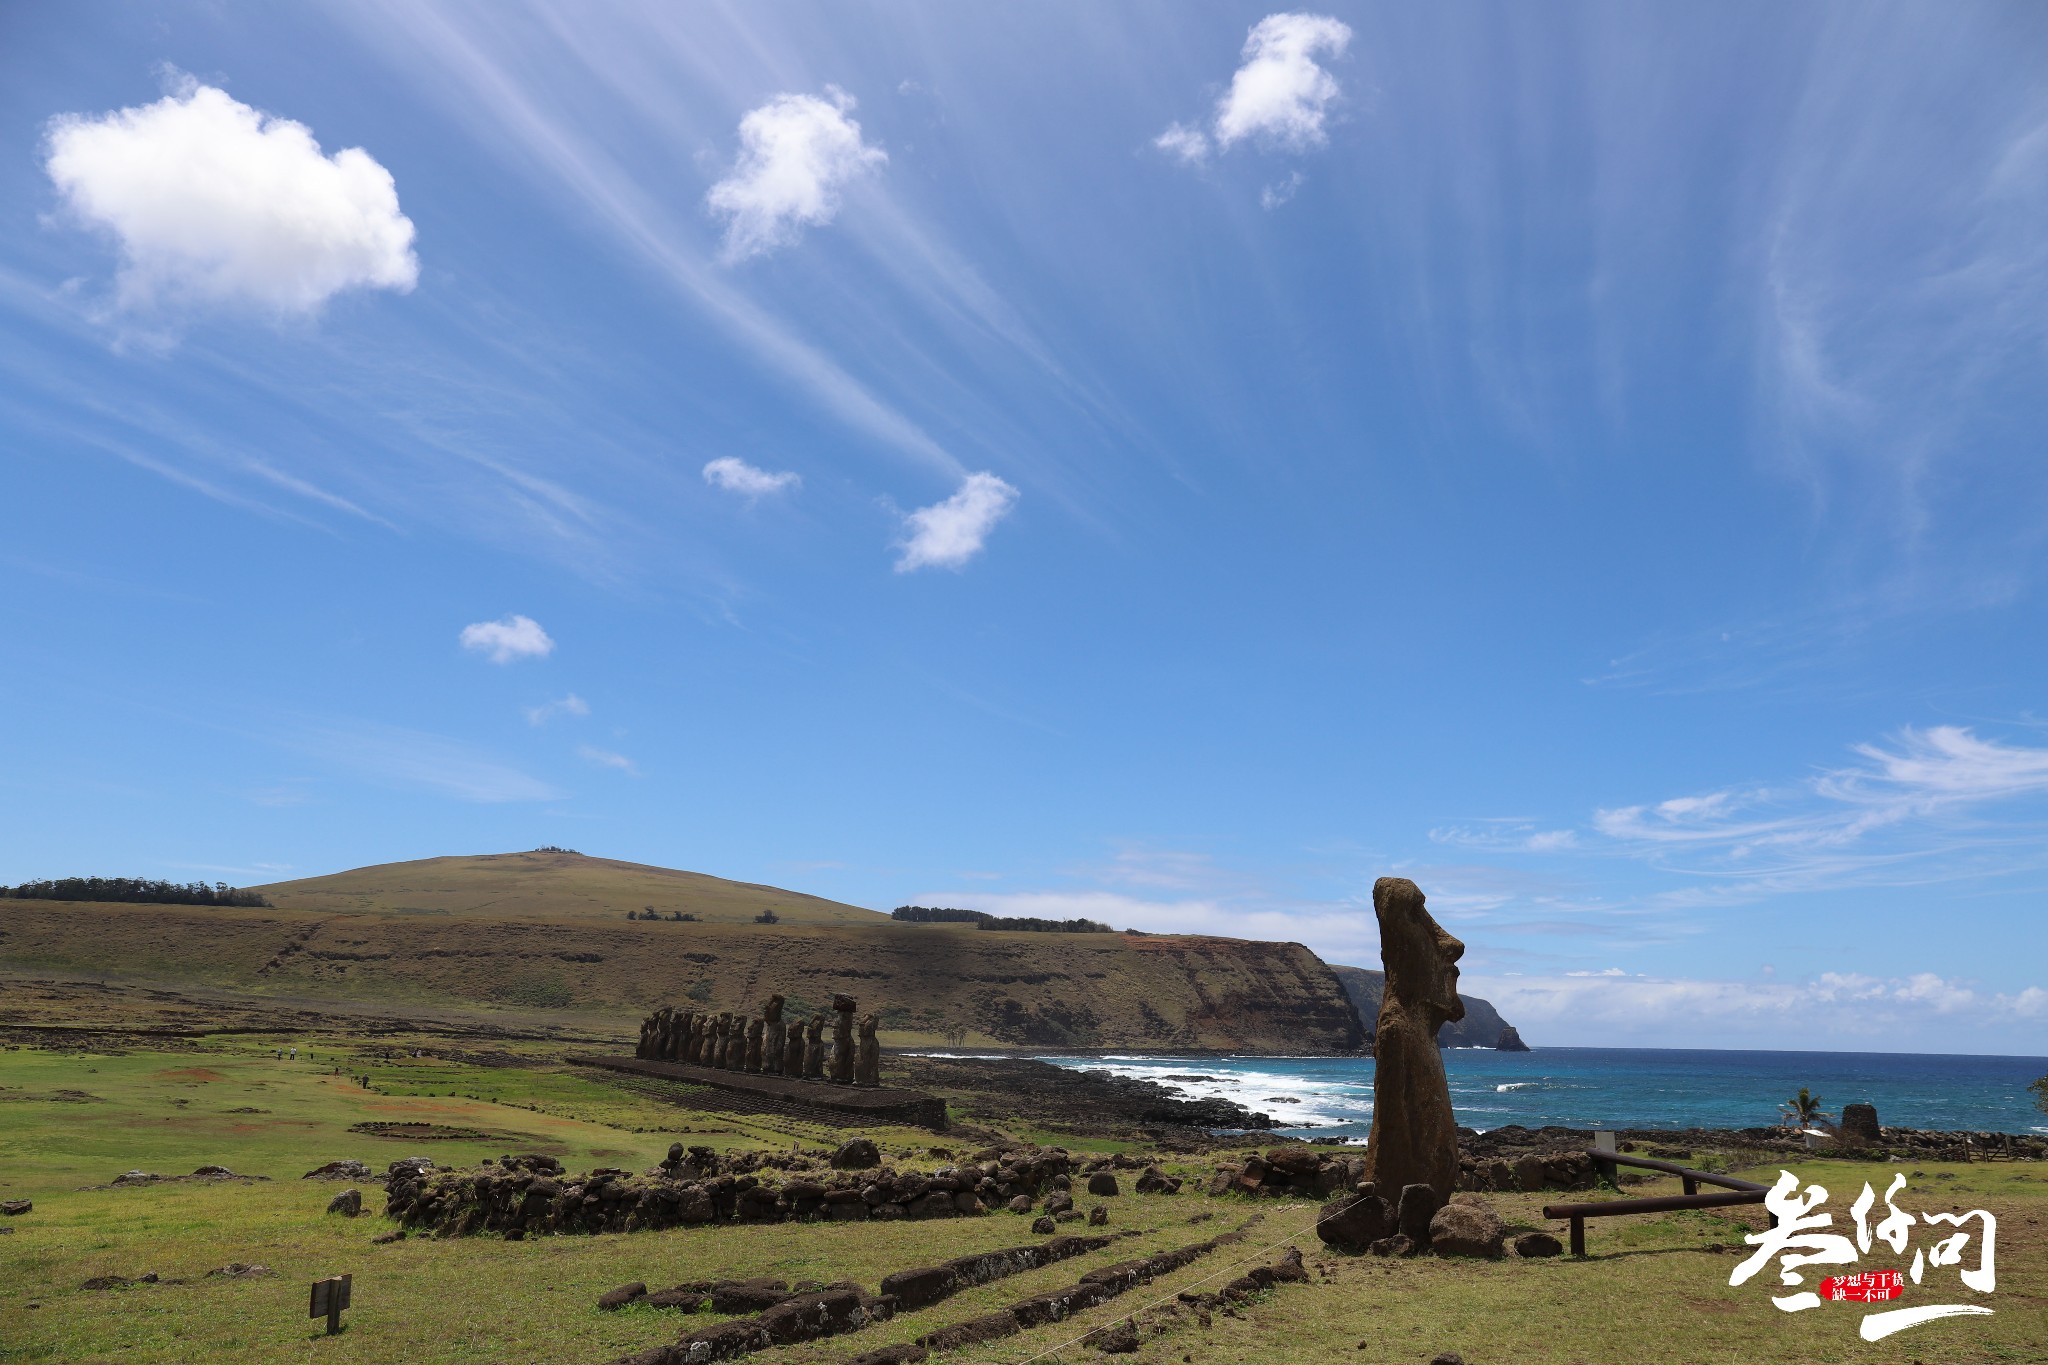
(1482, 1025)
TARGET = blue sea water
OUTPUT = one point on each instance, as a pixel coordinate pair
(1605, 1087)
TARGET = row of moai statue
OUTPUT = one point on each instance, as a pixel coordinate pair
(768, 1045)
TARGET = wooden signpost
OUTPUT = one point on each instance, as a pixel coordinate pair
(330, 1296)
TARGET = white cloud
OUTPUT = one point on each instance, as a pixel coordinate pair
(1580, 1006)
(735, 475)
(605, 758)
(214, 203)
(948, 534)
(796, 153)
(1279, 192)
(1187, 144)
(571, 705)
(1280, 97)
(515, 637)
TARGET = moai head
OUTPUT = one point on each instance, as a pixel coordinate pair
(815, 1030)
(1420, 957)
(772, 1011)
(866, 1026)
(845, 1004)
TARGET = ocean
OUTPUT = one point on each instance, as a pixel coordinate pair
(1608, 1087)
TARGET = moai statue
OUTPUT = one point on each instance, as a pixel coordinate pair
(736, 1042)
(774, 1036)
(693, 1041)
(1414, 1137)
(843, 1007)
(793, 1051)
(679, 1046)
(729, 1041)
(814, 1048)
(714, 1043)
(754, 1040)
(867, 1054)
(647, 1035)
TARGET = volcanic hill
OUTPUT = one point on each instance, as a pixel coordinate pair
(547, 931)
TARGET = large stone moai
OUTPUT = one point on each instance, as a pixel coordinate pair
(648, 1028)
(693, 1042)
(754, 1039)
(843, 1007)
(814, 1048)
(1414, 1137)
(867, 1053)
(793, 1050)
(676, 1036)
(734, 1054)
(774, 1036)
(721, 1040)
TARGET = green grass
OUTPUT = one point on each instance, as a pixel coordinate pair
(1651, 1290)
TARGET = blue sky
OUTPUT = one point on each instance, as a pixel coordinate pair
(1171, 464)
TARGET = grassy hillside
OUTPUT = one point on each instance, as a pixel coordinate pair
(493, 942)
(554, 888)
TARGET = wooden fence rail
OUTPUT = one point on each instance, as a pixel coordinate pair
(1735, 1192)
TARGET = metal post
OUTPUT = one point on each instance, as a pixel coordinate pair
(1578, 1236)
(1691, 1186)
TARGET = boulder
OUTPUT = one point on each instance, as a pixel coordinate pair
(1117, 1339)
(339, 1170)
(857, 1154)
(623, 1295)
(348, 1203)
(1534, 1244)
(1355, 1223)
(1102, 1184)
(1400, 1244)
(1529, 1173)
(1419, 1204)
(14, 1208)
(1021, 1204)
(1464, 1228)
(1098, 1217)
(1044, 1224)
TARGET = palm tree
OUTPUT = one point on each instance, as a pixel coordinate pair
(1802, 1110)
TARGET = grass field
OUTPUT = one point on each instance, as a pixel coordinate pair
(1653, 1289)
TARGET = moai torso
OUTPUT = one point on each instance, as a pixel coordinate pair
(814, 1048)
(774, 1036)
(793, 1050)
(753, 1046)
(693, 1041)
(867, 1054)
(843, 1007)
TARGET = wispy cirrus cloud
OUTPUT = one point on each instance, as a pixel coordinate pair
(605, 758)
(797, 153)
(567, 705)
(215, 204)
(392, 755)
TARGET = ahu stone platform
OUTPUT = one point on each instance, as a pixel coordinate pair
(858, 1104)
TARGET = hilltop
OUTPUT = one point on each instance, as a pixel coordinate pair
(551, 886)
(548, 932)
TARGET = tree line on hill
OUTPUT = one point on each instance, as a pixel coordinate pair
(981, 919)
(140, 890)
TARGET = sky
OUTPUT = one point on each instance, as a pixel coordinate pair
(1170, 464)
